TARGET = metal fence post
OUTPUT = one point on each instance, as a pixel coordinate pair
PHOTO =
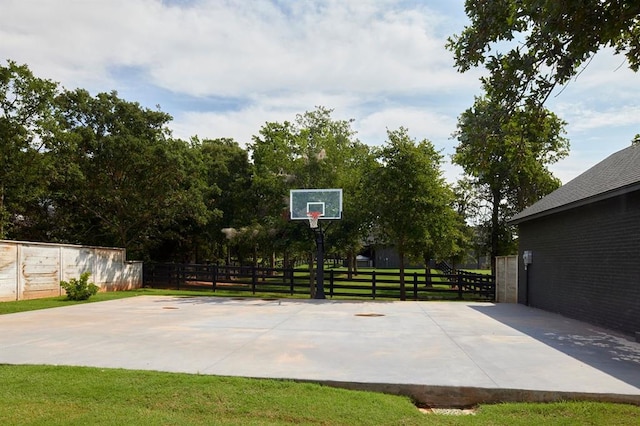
(460, 281)
(415, 286)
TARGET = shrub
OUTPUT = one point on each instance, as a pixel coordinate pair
(79, 289)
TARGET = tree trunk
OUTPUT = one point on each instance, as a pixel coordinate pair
(255, 255)
(286, 264)
(355, 264)
(427, 269)
(272, 263)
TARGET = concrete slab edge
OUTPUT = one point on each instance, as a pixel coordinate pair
(465, 397)
(434, 396)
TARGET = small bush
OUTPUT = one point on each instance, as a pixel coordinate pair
(79, 289)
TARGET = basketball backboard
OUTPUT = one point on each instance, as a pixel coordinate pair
(328, 202)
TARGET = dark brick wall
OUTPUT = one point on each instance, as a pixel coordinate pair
(586, 263)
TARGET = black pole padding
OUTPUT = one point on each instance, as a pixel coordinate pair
(320, 260)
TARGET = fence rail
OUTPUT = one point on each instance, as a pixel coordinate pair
(367, 284)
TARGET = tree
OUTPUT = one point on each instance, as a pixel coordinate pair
(409, 198)
(227, 174)
(351, 232)
(315, 151)
(506, 153)
(551, 41)
(179, 232)
(122, 180)
(471, 205)
(26, 110)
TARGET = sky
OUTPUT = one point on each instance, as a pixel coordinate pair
(223, 68)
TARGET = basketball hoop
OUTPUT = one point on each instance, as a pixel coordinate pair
(313, 219)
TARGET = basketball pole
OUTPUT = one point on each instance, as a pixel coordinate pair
(320, 261)
(313, 204)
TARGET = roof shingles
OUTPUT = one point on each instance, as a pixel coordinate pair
(620, 172)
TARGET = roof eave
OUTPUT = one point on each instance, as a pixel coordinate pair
(600, 197)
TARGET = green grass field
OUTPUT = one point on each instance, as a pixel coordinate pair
(47, 395)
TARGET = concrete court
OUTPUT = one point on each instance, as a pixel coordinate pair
(438, 353)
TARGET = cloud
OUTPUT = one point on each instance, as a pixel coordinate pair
(583, 118)
(339, 46)
(421, 123)
(74, 41)
(244, 122)
(604, 82)
(227, 48)
(371, 127)
(241, 125)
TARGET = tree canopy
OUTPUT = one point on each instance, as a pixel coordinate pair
(546, 42)
(121, 178)
(100, 170)
(26, 123)
(314, 151)
(410, 200)
(506, 153)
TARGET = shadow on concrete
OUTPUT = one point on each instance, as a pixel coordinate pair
(260, 301)
(608, 351)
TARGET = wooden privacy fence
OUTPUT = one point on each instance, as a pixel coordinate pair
(368, 284)
(32, 270)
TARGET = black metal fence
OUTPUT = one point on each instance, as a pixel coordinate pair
(367, 284)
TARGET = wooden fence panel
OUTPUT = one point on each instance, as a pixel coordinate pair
(8, 272)
(30, 270)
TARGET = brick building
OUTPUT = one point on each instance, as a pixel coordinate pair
(584, 245)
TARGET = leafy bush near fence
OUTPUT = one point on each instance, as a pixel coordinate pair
(79, 289)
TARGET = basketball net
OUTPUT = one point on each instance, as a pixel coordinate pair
(313, 219)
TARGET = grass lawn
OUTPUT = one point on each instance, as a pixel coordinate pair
(56, 302)
(47, 395)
